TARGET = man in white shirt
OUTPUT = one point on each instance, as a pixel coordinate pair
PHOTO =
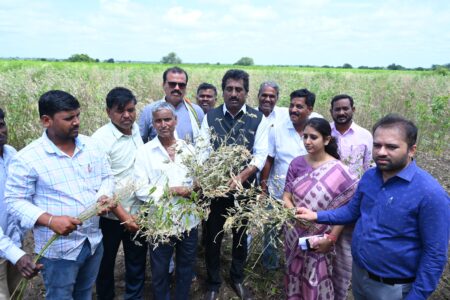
(159, 164)
(120, 139)
(268, 95)
(285, 144)
(10, 234)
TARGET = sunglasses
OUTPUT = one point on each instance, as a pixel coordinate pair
(172, 84)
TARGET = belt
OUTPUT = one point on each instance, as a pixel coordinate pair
(391, 281)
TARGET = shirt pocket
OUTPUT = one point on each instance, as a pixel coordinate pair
(90, 170)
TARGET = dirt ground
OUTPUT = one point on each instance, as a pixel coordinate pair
(265, 285)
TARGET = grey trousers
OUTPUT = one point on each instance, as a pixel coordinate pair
(365, 288)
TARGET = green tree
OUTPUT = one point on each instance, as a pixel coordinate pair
(171, 59)
(395, 67)
(245, 61)
(80, 58)
(347, 66)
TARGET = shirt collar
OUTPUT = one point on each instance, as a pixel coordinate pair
(243, 109)
(50, 147)
(407, 173)
(118, 134)
(350, 129)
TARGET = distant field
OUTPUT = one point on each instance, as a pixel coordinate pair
(422, 96)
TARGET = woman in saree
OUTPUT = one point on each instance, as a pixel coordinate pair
(318, 181)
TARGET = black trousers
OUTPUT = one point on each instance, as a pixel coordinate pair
(135, 257)
(213, 242)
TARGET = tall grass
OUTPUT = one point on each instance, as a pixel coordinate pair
(421, 96)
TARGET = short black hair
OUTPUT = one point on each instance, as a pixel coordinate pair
(304, 93)
(55, 101)
(119, 96)
(236, 74)
(341, 96)
(174, 70)
(394, 120)
(206, 86)
(2, 114)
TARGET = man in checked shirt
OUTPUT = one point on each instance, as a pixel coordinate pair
(53, 180)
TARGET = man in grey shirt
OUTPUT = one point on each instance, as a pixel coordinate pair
(189, 115)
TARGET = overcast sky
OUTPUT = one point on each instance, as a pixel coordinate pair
(286, 32)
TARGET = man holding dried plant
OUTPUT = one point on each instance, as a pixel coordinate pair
(164, 183)
(53, 180)
(232, 123)
(189, 115)
(120, 139)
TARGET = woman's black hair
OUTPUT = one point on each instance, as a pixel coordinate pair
(323, 127)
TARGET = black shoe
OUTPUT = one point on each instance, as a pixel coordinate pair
(211, 295)
(242, 291)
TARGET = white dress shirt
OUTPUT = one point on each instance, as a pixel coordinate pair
(285, 144)
(10, 234)
(155, 169)
(120, 150)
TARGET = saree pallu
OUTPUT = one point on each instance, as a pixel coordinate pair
(309, 274)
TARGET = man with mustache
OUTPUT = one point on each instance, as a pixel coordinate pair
(402, 216)
(189, 115)
(120, 140)
(232, 123)
(53, 180)
(10, 235)
(206, 96)
(268, 95)
(355, 142)
(285, 144)
(355, 150)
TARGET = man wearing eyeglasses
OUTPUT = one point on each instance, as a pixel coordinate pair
(189, 115)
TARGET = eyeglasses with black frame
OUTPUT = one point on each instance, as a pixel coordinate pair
(173, 84)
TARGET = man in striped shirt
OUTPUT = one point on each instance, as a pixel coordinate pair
(53, 180)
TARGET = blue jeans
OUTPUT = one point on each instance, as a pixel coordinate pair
(365, 288)
(72, 279)
(135, 257)
(186, 253)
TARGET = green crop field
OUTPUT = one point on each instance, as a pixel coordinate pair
(423, 96)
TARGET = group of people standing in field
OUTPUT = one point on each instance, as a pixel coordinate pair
(380, 221)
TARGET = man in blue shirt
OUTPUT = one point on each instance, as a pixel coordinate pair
(402, 215)
(10, 233)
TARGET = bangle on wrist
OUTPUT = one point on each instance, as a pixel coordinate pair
(332, 238)
(50, 221)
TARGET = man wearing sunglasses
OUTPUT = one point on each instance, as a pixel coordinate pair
(189, 115)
